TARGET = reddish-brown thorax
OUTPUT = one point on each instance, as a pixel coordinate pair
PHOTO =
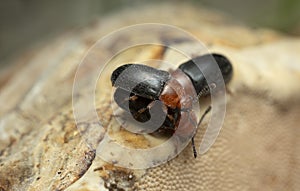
(169, 97)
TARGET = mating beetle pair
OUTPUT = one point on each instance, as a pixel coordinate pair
(135, 95)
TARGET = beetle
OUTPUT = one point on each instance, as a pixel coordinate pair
(136, 95)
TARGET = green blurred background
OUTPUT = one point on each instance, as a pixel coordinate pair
(25, 23)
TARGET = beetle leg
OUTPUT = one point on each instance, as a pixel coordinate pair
(194, 148)
(131, 98)
(204, 114)
(171, 118)
(185, 109)
(140, 111)
(198, 125)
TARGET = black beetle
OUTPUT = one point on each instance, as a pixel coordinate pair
(140, 94)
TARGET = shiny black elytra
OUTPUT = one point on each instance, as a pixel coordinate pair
(156, 87)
